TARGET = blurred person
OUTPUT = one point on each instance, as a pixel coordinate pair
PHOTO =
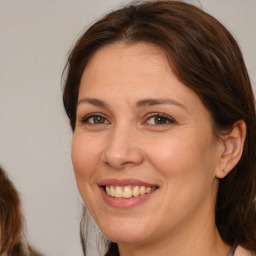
(12, 237)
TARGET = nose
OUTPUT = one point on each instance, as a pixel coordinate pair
(122, 149)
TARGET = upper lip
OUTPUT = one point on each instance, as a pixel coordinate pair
(125, 182)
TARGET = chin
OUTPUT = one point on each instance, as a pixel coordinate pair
(127, 233)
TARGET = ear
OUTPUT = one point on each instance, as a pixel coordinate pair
(232, 151)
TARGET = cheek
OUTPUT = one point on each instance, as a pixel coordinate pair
(187, 168)
(184, 159)
(169, 155)
(85, 156)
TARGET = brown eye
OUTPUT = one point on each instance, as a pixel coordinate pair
(158, 119)
(98, 120)
(95, 119)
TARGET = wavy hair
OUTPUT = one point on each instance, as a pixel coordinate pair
(12, 239)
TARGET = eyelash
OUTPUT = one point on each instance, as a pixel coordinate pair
(169, 120)
(85, 119)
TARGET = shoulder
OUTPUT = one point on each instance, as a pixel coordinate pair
(240, 251)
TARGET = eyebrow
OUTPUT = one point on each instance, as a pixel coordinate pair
(93, 101)
(139, 104)
(152, 102)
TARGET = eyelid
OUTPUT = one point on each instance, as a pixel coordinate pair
(84, 118)
(170, 119)
(156, 114)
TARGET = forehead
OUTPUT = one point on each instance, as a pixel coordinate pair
(130, 72)
(122, 60)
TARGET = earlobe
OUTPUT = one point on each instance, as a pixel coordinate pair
(233, 148)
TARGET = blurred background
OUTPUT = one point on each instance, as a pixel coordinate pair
(35, 138)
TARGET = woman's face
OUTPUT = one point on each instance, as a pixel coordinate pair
(143, 149)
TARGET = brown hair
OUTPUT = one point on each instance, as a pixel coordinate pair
(206, 58)
(12, 242)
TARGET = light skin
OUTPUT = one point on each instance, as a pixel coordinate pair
(136, 120)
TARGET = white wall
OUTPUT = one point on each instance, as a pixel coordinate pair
(35, 37)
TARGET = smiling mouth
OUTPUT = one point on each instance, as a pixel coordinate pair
(128, 191)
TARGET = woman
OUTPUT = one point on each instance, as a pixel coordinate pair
(163, 114)
(12, 240)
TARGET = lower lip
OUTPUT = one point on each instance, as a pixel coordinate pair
(125, 202)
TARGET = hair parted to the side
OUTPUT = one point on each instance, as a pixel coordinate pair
(206, 58)
(12, 239)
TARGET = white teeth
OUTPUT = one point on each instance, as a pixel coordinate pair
(112, 191)
(127, 191)
(142, 190)
(148, 190)
(108, 190)
(118, 192)
(136, 191)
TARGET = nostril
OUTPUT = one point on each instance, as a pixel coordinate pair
(118, 165)
(126, 163)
